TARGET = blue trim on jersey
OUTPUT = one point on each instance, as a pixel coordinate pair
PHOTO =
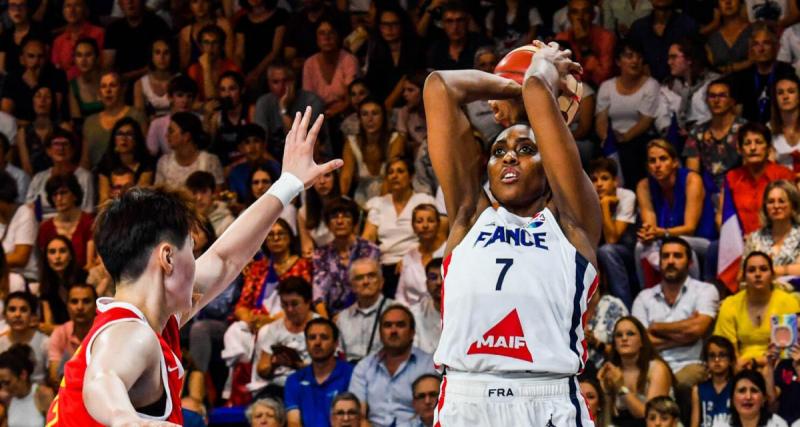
(580, 272)
(573, 397)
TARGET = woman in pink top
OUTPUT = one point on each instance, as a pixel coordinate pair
(329, 72)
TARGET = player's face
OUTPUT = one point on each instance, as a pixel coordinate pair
(656, 419)
(18, 315)
(433, 281)
(426, 396)
(366, 280)
(345, 414)
(58, 256)
(396, 332)
(516, 177)
(754, 148)
(425, 224)
(718, 360)
(786, 93)
(320, 342)
(660, 164)
(592, 397)
(747, 398)
(80, 304)
(264, 416)
(295, 308)
(627, 339)
(778, 206)
(180, 283)
(674, 262)
(604, 183)
(278, 239)
(757, 273)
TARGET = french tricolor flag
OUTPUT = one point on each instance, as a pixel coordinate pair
(731, 243)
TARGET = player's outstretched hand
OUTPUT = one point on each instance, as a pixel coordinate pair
(552, 65)
(298, 153)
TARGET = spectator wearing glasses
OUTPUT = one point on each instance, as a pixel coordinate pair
(711, 399)
(383, 380)
(332, 290)
(127, 148)
(393, 53)
(65, 193)
(359, 323)
(310, 390)
(21, 25)
(346, 410)
(711, 147)
(425, 391)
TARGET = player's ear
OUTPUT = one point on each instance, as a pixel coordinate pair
(165, 253)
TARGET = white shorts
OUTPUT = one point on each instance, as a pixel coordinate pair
(471, 400)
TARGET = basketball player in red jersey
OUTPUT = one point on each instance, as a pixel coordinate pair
(517, 277)
(127, 371)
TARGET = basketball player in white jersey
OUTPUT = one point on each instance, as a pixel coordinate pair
(518, 276)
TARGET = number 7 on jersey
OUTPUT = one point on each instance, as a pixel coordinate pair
(507, 262)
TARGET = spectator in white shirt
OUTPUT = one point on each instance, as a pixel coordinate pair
(427, 314)
(677, 313)
(20, 177)
(426, 223)
(19, 229)
(186, 137)
(358, 323)
(389, 220)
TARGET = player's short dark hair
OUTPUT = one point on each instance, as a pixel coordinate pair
(323, 321)
(29, 298)
(18, 359)
(8, 188)
(677, 240)
(182, 84)
(434, 263)
(201, 181)
(424, 377)
(295, 285)
(405, 310)
(603, 164)
(170, 217)
(65, 180)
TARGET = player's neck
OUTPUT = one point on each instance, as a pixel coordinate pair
(147, 294)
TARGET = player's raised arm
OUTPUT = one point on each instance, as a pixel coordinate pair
(233, 250)
(573, 192)
(454, 152)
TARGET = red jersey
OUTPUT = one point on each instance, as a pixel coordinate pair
(68, 408)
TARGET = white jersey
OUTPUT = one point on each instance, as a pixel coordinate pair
(514, 296)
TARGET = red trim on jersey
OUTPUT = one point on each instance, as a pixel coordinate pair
(445, 267)
(592, 289)
(440, 405)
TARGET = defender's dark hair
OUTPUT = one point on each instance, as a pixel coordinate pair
(170, 217)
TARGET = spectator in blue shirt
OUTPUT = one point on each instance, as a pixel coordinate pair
(309, 391)
(382, 381)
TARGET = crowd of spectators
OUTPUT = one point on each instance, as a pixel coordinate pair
(689, 107)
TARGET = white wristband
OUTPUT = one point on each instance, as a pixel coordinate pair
(286, 188)
(546, 71)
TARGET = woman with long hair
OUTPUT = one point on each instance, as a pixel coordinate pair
(127, 148)
(392, 53)
(259, 37)
(31, 139)
(425, 222)
(150, 91)
(64, 192)
(685, 87)
(224, 123)
(311, 225)
(84, 88)
(187, 140)
(711, 399)
(261, 180)
(779, 235)
(58, 271)
(634, 373)
(744, 318)
(750, 406)
(592, 391)
(785, 122)
(365, 154)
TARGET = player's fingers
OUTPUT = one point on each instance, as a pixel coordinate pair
(314, 132)
(303, 130)
(293, 131)
(331, 166)
(554, 45)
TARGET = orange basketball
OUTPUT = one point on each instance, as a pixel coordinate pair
(516, 62)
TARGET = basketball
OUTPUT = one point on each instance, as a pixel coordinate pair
(516, 62)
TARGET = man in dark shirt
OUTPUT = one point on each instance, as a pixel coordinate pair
(128, 40)
(658, 31)
(754, 86)
(457, 50)
(35, 71)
